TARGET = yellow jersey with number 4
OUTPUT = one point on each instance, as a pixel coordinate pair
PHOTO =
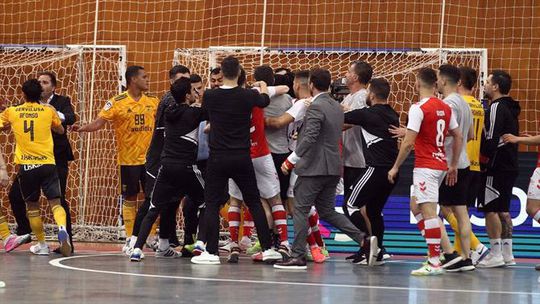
(31, 123)
(473, 146)
(133, 124)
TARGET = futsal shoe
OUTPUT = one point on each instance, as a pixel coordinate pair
(428, 269)
(509, 260)
(317, 255)
(136, 255)
(152, 244)
(492, 261)
(205, 258)
(373, 250)
(292, 264)
(324, 251)
(13, 241)
(451, 259)
(285, 251)
(37, 249)
(168, 253)
(65, 246)
(126, 247)
(234, 256)
(245, 243)
(356, 255)
(537, 267)
(254, 249)
(479, 254)
(463, 265)
(257, 257)
(227, 247)
(198, 248)
(271, 255)
(385, 254)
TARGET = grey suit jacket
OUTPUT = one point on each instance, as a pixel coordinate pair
(318, 140)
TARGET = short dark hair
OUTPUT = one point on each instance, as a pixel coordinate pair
(320, 78)
(215, 71)
(180, 88)
(450, 72)
(380, 87)
(132, 71)
(230, 67)
(503, 80)
(468, 77)
(51, 75)
(32, 90)
(303, 74)
(194, 78)
(363, 70)
(242, 77)
(427, 76)
(178, 69)
(264, 73)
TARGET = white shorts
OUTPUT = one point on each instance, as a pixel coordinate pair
(534, 185)
(266, 175)
(426, 183)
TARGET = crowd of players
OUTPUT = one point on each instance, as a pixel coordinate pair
(282, 146)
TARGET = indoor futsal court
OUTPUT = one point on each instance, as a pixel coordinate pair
(264, 151)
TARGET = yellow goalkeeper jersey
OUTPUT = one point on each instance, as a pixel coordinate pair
(473, 146)
(31, 123)
(133, 124)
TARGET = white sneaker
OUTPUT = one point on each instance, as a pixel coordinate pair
(228, 246)
(373, 250)
(492, 261)
(136, 255)
(245, 243)
(205, 258)
(509, 260)
(428, 270)
(479, 254)
(37, 249)
(168, 253)
(126, 247)
(270, 255)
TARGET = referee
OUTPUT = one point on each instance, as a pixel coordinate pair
(62, 155)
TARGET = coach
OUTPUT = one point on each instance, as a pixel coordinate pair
(62, 155)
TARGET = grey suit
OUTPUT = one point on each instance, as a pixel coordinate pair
(318, 170)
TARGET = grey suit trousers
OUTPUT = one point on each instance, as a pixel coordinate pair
(321, 192)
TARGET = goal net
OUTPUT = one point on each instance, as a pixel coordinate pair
(92, 186)
(397, 66)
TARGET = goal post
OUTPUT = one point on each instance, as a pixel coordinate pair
(92, 186)
(398, 66)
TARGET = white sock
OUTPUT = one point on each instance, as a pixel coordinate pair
(132, 241)
(507, 247)
(496, 246)
(163, 244)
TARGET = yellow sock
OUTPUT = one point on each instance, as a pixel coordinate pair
(452, 220)
(474, 241)
(36, 224)
(129, 212)
(59, 215)
(4, 229)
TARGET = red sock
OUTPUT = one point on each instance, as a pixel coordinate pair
(248, 223)
(314, 224)
(234, 222)
(536, 216)
(280, 221)
(433, 237)
(420, 223)
(310, 239)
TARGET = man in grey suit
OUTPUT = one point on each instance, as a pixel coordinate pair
(318, 166)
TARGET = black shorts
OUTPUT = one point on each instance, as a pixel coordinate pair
(371, 186)
(350, 176)
(132, 179)
(173, 181)
(497, 191)
(457, 194)
(475, 180)
(36, 178)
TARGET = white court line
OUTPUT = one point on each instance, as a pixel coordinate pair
(58, 263)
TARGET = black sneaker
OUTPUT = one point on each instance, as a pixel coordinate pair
(234, 255)
(451, 259)
(463, 265)
(537, 267)
(356, 255)
(385, 254)
(361, 260)
(292, 264)
(380, 259)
